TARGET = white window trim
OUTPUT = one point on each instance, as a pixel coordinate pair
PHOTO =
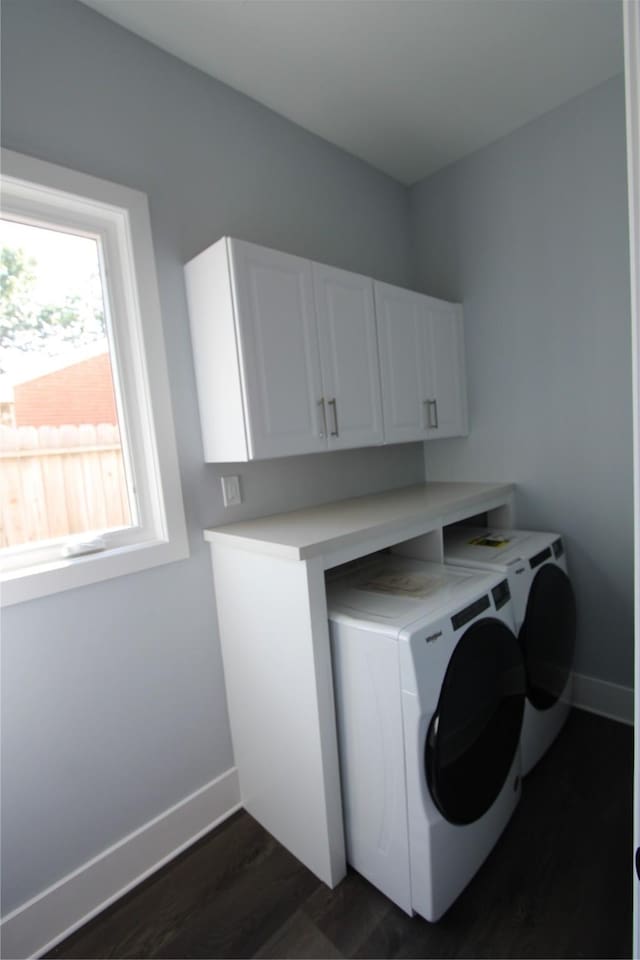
(120, 216)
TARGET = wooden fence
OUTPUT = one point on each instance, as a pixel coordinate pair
(60, 480)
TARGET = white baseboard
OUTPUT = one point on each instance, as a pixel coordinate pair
(606, 699)
(52, 915)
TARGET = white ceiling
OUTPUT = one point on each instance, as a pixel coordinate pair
(407, 85)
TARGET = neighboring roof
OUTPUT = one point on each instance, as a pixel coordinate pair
(29, 366)
(76, 393)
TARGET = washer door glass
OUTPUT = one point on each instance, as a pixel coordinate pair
(475, 731)
(548, 635)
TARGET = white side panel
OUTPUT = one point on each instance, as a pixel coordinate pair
(277, 664)
(280, 361)
(349, 352)
(462, 370)
(215, 356)
(428, 546)
(502, 516)
(369, 715)
(401, 320)
(445, 357)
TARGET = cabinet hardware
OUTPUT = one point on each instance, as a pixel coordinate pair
(323, 432)
(432, 421)
(335, 432)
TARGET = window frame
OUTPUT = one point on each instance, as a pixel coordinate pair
(36, 191)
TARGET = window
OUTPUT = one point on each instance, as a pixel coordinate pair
(89, 480)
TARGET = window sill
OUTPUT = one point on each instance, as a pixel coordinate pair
(67, 573)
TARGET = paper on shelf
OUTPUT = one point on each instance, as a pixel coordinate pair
(405, 584)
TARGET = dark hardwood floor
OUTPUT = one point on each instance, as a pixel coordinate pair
(558, 883)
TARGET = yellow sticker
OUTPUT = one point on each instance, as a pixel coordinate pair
(488, 542)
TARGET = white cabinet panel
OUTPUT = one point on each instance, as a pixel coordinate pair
(278, 347)
(349, 357)
(403, 366)
(447, 410)
(421, 365)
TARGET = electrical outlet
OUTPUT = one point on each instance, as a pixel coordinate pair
(231, 491)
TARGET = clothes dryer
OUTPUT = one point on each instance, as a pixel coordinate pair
(545, 618)
(429, 686)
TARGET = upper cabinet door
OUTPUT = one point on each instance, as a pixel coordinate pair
(280, 362)
(447, 404)
(349, 357)
(403, 363)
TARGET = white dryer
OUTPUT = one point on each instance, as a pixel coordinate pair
(429, 688)
(545, 619)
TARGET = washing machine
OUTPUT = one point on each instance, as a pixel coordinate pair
(535, 565)
(429, 687)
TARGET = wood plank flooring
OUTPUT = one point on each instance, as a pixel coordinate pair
(558, 883)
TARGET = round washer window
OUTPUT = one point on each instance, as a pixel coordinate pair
(475, 731)
(548, 635)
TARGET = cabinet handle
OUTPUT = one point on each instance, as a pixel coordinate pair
(432, 421)
(335, 432)
(323, 432)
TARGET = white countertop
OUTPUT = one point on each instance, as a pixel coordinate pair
(405, 512)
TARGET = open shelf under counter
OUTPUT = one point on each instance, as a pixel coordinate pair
(269, 580)
(346, 529)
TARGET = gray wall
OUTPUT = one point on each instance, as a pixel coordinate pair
(531, 233)
(113, 694)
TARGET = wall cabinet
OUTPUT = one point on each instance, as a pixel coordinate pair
(421, 364)
(287, 361)
(285, 352)
(256, 354)
(278, 363)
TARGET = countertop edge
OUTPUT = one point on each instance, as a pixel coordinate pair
(489, 494)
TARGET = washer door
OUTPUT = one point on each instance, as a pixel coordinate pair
(475, 731)
(548, 635)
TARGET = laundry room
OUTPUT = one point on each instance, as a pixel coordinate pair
(351, 671)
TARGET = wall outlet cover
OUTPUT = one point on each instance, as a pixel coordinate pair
(231, 491)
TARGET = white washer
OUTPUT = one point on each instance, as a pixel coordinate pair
(429, 688)
(545, 619)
